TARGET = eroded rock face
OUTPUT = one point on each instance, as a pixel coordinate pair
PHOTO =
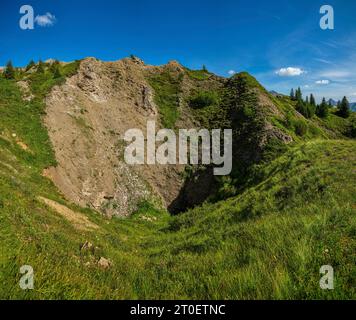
(86, 120)
(25, 90)
(88, 116)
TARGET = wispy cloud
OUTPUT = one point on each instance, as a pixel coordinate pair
(335, 73)
(231, 72)
(323, 60)
(322, 82)
(289, 72)
(46, 20)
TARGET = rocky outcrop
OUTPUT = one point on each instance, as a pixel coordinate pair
(88, 116)
(86, 120)
(25, 90)
(147, 101)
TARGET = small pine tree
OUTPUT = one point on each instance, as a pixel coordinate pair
(312, 100)
(298, 95)
(204, 68)
(307, 100)
(30, 65)
(292, 95)
(9, 72)
(322, 110)
(301, 108)
(40, 67)
(344, 108)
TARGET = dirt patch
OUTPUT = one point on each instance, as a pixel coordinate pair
(78, 220)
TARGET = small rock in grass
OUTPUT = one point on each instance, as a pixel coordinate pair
(104, 263)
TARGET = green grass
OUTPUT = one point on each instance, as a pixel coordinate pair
(269, 242)
(335, 123)
(332, 126)
(199, 75)
(24, 118)
(167, 90)
(295, 214)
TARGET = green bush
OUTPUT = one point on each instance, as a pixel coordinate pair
(203, 99)
(300, 128)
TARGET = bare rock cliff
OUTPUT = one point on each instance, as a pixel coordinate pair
(86, 120)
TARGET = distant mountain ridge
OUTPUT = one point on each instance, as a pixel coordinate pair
(334, 104)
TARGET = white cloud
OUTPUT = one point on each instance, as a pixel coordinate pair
(46, 20)
(322, 82)
(290, 72)
(231, 72)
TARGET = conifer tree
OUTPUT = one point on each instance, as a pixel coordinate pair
(298, 95)
(344, 108)
(322, 110)
(312, 100)
(9, 72)
(292, 95)
(30, 65)
(301, 108)
(40, 67)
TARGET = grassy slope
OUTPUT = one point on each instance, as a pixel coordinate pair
(268, 242)
(167, 88)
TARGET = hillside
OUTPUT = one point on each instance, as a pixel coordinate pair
(262, 232)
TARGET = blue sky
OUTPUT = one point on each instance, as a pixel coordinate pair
(261, 37)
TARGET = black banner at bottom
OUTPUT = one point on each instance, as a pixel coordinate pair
(173, 309)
